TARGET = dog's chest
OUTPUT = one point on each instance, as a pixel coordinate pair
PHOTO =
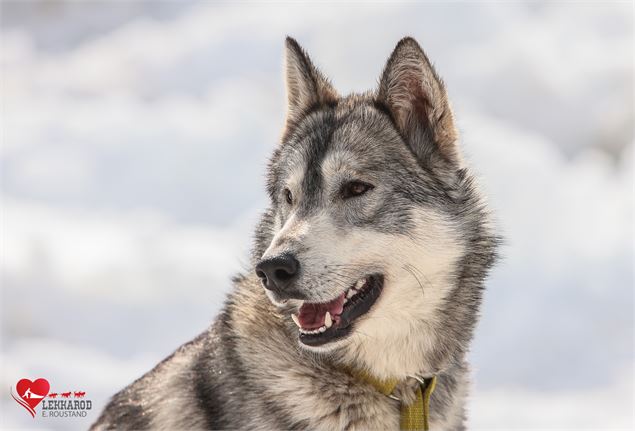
(326, 402)
(357, 411)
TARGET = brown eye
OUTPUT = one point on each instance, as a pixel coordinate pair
(355, 188)
(288, 196)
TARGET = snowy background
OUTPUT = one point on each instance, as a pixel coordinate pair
(134, 143)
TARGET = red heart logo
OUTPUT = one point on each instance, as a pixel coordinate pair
(31, 393)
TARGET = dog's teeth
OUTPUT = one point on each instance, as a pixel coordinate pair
(351, 292)
(360, 284)
(345, 300)
(327, 321)
(322, 329)
(296, 320)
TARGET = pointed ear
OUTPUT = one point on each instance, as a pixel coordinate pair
(306, 86)
(415, 96)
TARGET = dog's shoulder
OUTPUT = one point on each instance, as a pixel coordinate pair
(189, 377)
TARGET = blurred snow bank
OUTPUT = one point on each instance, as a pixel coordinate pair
(126, 259)
(513, 408)
(557, 323)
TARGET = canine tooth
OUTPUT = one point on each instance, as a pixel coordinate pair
(322, 329)
(360, 284)
(351, 292)
(345, 300)
(296, 320)
(327, 321)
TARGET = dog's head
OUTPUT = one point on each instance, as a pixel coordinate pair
(373, 216)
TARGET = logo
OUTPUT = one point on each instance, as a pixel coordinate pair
(30, 394)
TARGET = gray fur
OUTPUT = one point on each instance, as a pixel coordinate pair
(248, 371)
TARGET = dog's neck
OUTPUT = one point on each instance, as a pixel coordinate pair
(389, 352)
(398, 357)
(289, 368)
(405, 339)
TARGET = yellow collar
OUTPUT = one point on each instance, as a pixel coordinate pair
(414, 416)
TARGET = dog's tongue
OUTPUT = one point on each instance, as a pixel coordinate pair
(312, 316)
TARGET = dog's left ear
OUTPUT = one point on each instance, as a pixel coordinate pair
(416, 98)
(306, 86)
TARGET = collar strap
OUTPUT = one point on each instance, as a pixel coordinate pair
(414, 416)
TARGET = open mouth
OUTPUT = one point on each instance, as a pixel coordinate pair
(320, 323)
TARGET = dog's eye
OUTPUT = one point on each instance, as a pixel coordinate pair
(355, 188)
(288, 196)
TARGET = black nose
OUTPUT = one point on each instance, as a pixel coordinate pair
(277, 273)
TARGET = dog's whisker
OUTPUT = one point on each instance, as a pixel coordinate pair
(411, 272)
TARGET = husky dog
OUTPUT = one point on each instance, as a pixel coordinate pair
(370, 258)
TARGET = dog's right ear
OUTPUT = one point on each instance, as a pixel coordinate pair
(306, 86)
